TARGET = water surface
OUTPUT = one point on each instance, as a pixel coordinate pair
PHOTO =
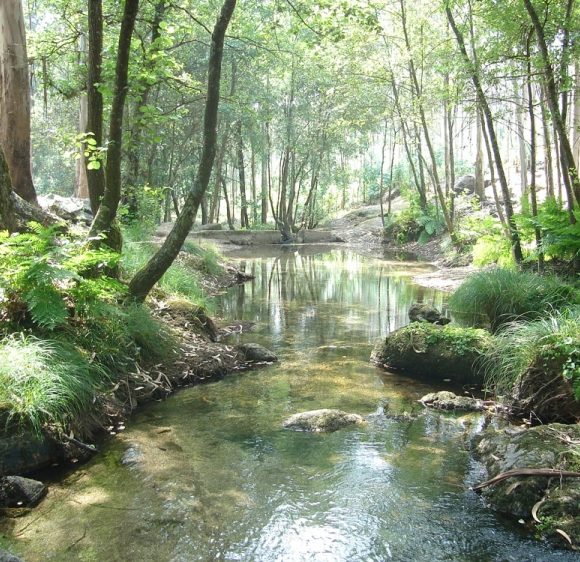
(217, 478)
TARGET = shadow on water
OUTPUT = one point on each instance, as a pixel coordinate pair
(215, 477)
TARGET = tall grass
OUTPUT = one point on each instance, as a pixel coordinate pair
(522, 344)
(46, 383)
(500, 295)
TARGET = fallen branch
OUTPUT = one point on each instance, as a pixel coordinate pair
(549, 472)
(80, 444)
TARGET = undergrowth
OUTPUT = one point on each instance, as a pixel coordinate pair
(553, 339)
(500, 295)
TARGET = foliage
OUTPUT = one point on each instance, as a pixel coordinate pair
(560, 239)
(49, 278)
(208, 257)
(414, 224)
(553, 338)
(46, 383)
(500, 295)
(490, 245)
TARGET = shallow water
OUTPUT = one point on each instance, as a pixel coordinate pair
(217, 478)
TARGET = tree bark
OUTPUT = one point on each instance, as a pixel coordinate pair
(95, 177)
(103, 221)
(145, 278)
(15, 99)
(244, 221)
(7, 216)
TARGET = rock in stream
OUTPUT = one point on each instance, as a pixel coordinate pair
(324, 420)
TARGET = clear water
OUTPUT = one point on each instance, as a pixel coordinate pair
(219, 479)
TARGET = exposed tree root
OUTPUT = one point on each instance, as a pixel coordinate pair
(549, 472)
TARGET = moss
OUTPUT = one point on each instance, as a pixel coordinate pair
(436, 352)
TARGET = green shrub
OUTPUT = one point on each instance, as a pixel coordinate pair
(208, 257)
(414, 224)
(518, 345)
(500, 295)
(48, 277)
(47, 383)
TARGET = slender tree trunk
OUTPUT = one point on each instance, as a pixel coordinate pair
(569, 171)
(81, 181)
(15, 99)
(530, 96)
(264, 176)
(479, 181)
(382, 176)
(492, 174)
(103, 222)
(576, 115)
(218, 177)
(95, 177)
(145, 279)
(229, 216)
(519, 101)
(245, 223)
(548, 162)
(482, 100)
(393, 147)
(253, 184)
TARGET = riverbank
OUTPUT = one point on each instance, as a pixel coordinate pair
(199, 352)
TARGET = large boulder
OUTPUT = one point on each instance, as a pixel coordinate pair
(25, 452)
(445, 400)
(257, 353)
(70, 209)
(465, 185)
(16, 491)
(434, 352)
(549, 446)
(6, 556)
(420, 312)
(322, 420)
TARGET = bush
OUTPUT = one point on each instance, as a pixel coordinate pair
(553, 339)
(47, 383)
(47, 278)
(500, 295)
(414, 224)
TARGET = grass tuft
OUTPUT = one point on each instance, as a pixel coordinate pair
(555, 337)
(46, 383)
(500, 295)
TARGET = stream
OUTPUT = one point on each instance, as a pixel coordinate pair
(211, 475)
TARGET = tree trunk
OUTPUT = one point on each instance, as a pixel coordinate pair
(7, 216)
(145, 278)
(569, 171)
(15, 99)
(576, 116)
(530, 96)
(264, 176)
(81, 181)
(482, 100)
(479, 182)
(522, 148)
(244, 221)
(103, 222)
(95, 177)
(548, 163)
(382, 176)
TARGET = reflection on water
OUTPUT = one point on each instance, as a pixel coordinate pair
(219, 479)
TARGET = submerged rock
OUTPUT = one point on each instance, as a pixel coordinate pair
(548, 446)
(434, 352)
(445, 400)
(133, 456)
(16, 491)
(258, 353)
(322, 420)
(424, 313)
(6, 556)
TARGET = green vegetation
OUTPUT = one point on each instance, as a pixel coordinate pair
(68, 334)
(553, 339)
(48, 384)
(500, 295)
(414, 224)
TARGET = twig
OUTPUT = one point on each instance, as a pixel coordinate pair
(526, 472)
(80, 444)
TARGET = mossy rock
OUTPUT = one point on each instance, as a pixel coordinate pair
(548, 446)
(434, 352)
(192, 316)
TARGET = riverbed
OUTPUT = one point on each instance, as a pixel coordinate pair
(209, 474)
